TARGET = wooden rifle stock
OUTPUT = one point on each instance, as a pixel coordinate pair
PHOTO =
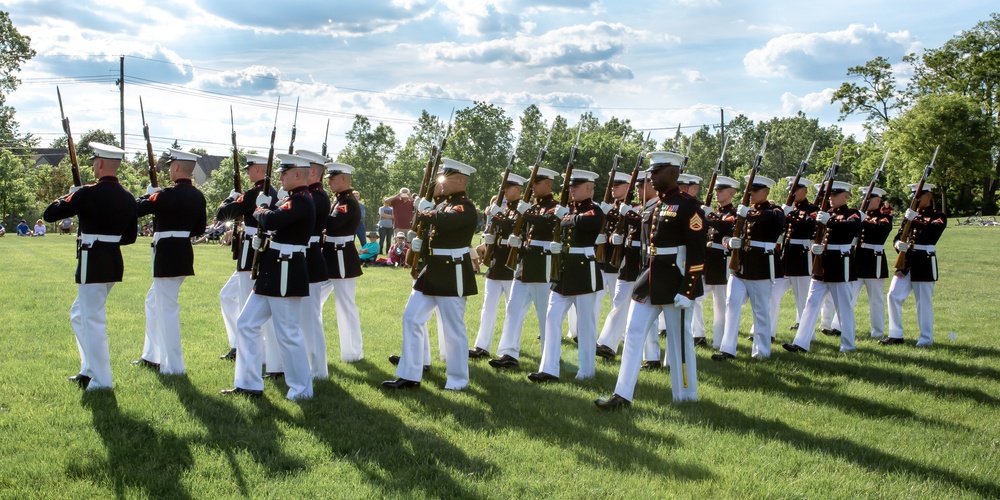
(74, 165)
(153, 181)
(618, 251)
(601, 250)
(557, 234)
(790, 201)
(526, 197)
(907, 233)
(740, 225)
(862, 207)
(825, 207)
(238, 187)
(417, 260)
(255, 268)
(490, 226)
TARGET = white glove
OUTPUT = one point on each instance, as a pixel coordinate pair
(626, 209)
(601, 239)
(705, 210)
(555, 247)
(494, 210)
(910, 214)
(264, 200)
(787, 209)
(234, 194)
(742, 210)
(514, 241)
(606, 207)
(823, 217)
(425, 205)
(682, 302)
(255, 242)
(522, 206)
(863, 216)
(416, 244)
(901, 246)
(282, 194)
(73, 189)
(410, 235)
(561, 211)
(817, 249)
(489, 239)
(732, 243)
(150, 190)
(617, 239)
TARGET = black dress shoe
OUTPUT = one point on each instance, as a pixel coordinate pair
(793, 348)
(505, 361)
(394, 359)
(81, 380)
(606, 352)
(231, 355)
(274, 375)
(651, 365)
(663, 333)
(239, 391)
(830, 331)
(612, 403)
(576, 340)
(401, 383)
(146, 363)
(478, 353)
(890, 341)
(700, 342)
(794, 327)
(542, 377)
(722, 356)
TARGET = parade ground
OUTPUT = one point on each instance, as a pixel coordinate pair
(891, 421)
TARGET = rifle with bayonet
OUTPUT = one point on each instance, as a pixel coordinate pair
(295, 120)
(740, 225)
(491, 228)
(618, 251)
(600, 252)
(790, 202)
(149, 147)
(824, 206)
(238, 187)
(73, 164)
(906, 234)
(326, 135)
(417, 260)
(715, 174)
(557, 234)
(863, 207)
(526, 198)
(262, 247)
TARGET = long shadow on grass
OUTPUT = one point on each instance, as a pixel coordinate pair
(711, 415)
(906, 356)
(396, 458)
(231, 431)
(139, 455)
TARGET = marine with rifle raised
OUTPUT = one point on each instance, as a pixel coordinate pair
(313, 332)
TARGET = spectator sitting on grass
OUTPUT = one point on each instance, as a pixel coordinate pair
(39, 228)
(397, 252)
(3, 230)
(65, 226)
(369, 252)
(22, 229)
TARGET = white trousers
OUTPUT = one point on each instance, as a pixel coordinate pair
(418, 311)
(923, 294)
(876, 303)
(719, 294)
(495, 290)
(284, 313)
(90, 325)
(348, 320)
(231, 302)
(607, 290)
(613, 330)
(313, 335)
(828, 318)
(641, 321)
(559, 305)
(841, 296)
(163, 326)
(759, 294)
(521, 296)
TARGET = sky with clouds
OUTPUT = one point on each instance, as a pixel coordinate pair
(655, 63)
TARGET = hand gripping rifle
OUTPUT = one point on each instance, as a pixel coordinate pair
(618, 251)
(868, 194)
(491, 228)
(824, 206)
(421, 228)
(526, 197)
(557, 235)
(238, 187)
(258, 255)
(906, 234)
(739, 226)
(608, 198)
(715, 173)
(73, 164)
(295, 120)
(790, 201)
(150, 159)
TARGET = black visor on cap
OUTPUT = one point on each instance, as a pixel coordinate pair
(577, 182)
(722, 186)
(755, 187)
(619, 182)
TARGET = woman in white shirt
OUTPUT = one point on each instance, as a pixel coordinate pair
(39, 228)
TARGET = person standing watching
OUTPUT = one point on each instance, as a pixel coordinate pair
(178, 215)
(107, 220)
(385, 229)
(402, 210)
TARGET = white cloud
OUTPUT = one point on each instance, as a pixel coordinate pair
(825, 56)
(814, 101)
(250, 80)
(593, 71)
(693, 76)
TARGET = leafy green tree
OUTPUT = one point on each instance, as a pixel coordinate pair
(370, 151)
(17, 199)
(876, 98)
(407, 167)
(15, 49)
(534, 131)
(482, 137)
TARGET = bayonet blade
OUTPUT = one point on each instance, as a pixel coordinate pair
(809, 155)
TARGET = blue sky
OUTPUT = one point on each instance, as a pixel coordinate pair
(655, 63)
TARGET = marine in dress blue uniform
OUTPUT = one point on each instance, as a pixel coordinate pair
(312, 305)
(107, 220)
(720, 226)
(796, 259)
(872, 267)
(178, 215)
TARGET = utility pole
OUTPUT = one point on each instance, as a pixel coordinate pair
(722, 129)
(121, 94)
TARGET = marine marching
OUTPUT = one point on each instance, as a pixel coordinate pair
(650, 244)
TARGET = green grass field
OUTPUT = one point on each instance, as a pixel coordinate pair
(884, 422)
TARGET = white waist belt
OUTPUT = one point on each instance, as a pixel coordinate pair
(249, 230)
(338, 240)
(925, 248)
(876, 248)
(800, 241)
(450, 252)
(637, 244)
(287, 249)
(159, 235)
(766, 245)
(663, 251)
(313, 239)
(504, 241)
(588, 251)
(539, 243)
(89, 239)
(840, 248)
(717, 246)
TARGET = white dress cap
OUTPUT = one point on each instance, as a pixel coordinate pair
(760, 180)
(658, 159)
(334, 168)
(312, 157)
(689, 179)
(880, 193)
(582, 176)
(726, 182)
(803, 181)
(449, 165)
(255, 159)
(545, 173)
(622, 177)
(840, 187)
(289, 162)
(913, 187)
(516, 179)
(107, 152)
(178, 155)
